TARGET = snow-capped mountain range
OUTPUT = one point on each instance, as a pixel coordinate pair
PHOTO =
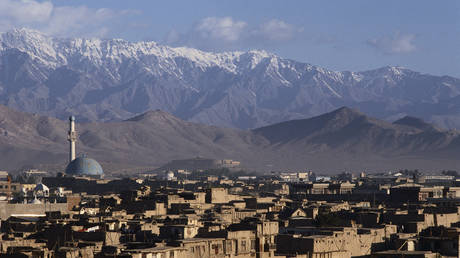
(103, 80)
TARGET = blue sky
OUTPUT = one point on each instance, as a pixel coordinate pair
(339, 35)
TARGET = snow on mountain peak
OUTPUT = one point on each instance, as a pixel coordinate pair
(57, 51)
(36, 43)
(105, 79)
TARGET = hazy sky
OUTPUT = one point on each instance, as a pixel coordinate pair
(339, 35)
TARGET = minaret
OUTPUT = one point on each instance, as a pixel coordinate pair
(72, 138)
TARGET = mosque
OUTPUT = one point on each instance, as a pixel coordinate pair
(81, 166)
(84, 174)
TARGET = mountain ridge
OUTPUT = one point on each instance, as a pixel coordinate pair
(336, 141)
(416, 123)
(113, 80)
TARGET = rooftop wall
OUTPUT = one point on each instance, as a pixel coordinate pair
(8, 209)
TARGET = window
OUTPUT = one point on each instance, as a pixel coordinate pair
(253, 244)
(243, 245)
(228, 247)
(215, 247)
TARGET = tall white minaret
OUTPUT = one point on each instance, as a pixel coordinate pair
(72, 138)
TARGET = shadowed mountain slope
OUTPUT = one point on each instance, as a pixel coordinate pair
(333, 142)
(348, 128)
(416, 123)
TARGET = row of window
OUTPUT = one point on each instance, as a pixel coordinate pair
(13, 187)
(218, 248)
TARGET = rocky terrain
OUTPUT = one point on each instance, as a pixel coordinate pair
(343, 139)
(113, 80)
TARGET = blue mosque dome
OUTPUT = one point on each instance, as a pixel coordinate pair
(83, 166)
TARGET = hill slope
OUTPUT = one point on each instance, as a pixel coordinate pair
(336, 141)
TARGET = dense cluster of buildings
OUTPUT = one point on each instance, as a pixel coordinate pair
(204, 215)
